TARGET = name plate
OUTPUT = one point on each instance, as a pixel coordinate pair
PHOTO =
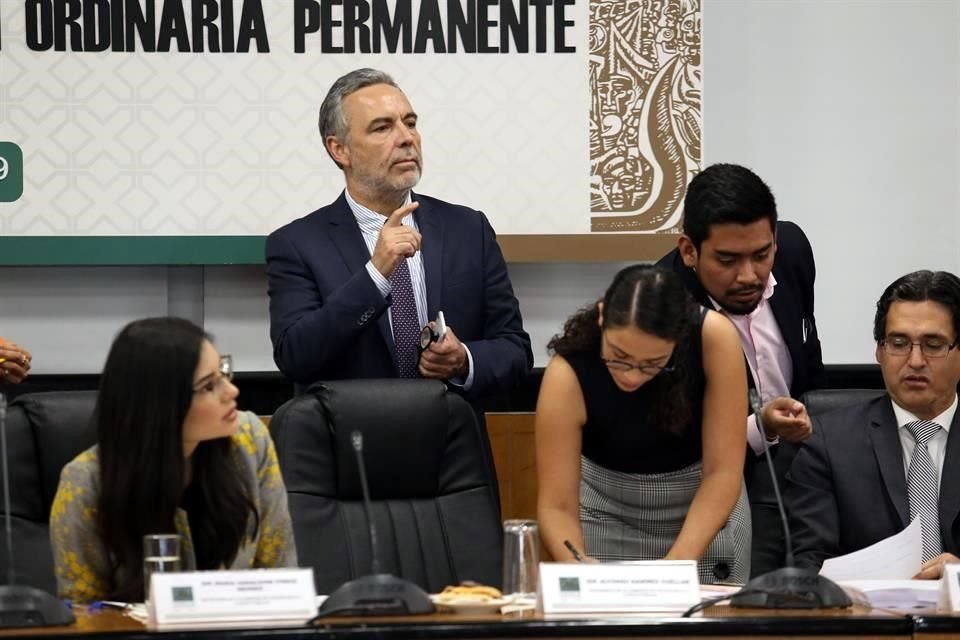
(215, 598)
(621, 587)
(950, 588)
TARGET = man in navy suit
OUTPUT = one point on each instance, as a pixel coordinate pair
(735, 257)
(352, 284)
(869, 470)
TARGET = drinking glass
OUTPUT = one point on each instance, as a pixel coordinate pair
(161, 554)
(521, 558)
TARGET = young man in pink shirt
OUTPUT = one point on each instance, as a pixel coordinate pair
(737, 258)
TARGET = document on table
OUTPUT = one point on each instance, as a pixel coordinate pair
(895, 594)
(895, 558)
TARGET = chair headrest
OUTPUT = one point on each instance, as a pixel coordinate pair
(823, 400)
(61, 423)
(403, 424)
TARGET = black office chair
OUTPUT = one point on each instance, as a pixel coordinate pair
(434, 502)
(823, 400)
(45, 431)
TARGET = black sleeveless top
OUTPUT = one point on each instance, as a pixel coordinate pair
(621, 431)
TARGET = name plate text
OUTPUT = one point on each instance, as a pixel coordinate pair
(215, 598)
(622, 587)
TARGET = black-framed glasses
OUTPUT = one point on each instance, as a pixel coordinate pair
(427, 337)
(648, 369)
(215, 382)
(932, 347)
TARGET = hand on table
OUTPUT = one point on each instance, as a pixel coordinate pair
(932, 569)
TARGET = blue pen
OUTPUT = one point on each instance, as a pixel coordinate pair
(97, 605)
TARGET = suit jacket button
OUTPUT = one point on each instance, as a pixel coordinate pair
(721, 571)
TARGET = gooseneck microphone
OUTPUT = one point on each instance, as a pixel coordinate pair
(20, 605)
(379, 594)
(757, 407)
(356, 441)
(789, 587)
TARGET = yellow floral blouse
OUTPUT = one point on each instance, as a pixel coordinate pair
(83, 567)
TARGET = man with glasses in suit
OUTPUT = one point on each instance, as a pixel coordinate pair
(867, 471)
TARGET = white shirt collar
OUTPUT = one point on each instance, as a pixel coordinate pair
(365, 216)
(904, 417)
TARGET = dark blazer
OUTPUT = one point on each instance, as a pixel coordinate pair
(327, 317)
(847, 488)
(792, 306)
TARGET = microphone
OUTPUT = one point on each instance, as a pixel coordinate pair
(788, 587)
(379, 594)
(20, 605)
(356, 441)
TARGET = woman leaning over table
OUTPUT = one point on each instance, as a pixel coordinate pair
(173, 455)
(639, 431)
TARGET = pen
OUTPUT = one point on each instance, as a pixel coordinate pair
(107, 604)
(573, 550)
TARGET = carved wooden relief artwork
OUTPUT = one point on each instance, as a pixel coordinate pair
(646, 112)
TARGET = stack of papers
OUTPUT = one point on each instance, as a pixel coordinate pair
(894, 594)
(880, 575)
(895, 558)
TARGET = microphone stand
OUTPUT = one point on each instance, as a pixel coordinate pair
(378, 594)
(20, 605)
(789, 587)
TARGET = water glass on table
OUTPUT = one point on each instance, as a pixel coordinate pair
(521, 558)
(161, 554)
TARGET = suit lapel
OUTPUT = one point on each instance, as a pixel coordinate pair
(949, 481)
(789, 317)
(889, 454)
(430, 223)
(347, 237)
(785, 303)
(348, 240)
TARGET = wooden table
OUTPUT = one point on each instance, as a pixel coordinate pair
(721, 622)
(931, 625)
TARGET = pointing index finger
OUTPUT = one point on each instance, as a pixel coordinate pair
(396, 218)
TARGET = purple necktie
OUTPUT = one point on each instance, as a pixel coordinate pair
(403, 318)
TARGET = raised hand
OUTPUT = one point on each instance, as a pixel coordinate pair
(396, 241)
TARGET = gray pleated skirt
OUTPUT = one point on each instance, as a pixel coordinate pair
(631, 516)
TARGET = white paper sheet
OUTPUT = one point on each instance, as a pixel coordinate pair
(896, 594)
(896, 558)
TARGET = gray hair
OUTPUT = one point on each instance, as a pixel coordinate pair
(332, 122)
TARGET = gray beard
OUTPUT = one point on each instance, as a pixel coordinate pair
(383, 190)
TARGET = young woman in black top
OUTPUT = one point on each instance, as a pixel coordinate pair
(639, 431)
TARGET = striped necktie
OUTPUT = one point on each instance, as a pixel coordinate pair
(922, 487)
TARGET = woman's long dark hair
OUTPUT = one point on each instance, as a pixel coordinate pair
(655, 301)
(146, 390)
